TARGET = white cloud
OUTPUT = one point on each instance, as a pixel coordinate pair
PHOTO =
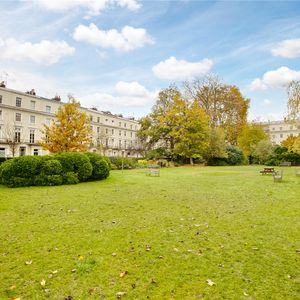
(257, 84)
(45, 52)
(173, 69)
(129, 38)
(279, 78)
(131, 89)
(130, 4)
(94, 7)
(287, 48)
(128, 95)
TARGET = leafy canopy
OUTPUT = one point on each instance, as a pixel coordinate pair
(249, 137)
(294, 101)
(70, 131)
(223, 103)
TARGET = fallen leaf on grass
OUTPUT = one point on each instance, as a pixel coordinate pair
(12, 287)
(29, 262)
(54, 272)
(80, 257)
(120, 294)
(175, 249)
(16, 298)
(73, 270)
(122, 274)
(210, 282)
(298, 251)
(114, 254)
(245, 294)
(43, 282)
(148, 248)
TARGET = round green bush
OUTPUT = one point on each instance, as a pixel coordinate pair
(107, 159)
(235, 156)
(20, 171)
(100, 166)
(6, 172)
(75, 162)
(52, 167)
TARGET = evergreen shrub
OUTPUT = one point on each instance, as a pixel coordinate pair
(63, 168)
(100, 166)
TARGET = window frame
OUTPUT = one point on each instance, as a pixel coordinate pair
(18, 102)
(18, 115)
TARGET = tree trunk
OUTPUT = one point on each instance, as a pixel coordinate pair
(191, 161)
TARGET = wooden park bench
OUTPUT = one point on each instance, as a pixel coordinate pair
(277, 176)
(153, 170)
(267, 171)
(285, 164)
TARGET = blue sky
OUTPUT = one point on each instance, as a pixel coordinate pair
(117, 54)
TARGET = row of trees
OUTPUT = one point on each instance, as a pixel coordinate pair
(204, 118)
(196, 122)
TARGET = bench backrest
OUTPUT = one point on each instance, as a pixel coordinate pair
(152, 166)
(285, 163)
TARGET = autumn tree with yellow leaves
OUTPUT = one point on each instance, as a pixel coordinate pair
(176, 124)
(190, 129)
(69, 132)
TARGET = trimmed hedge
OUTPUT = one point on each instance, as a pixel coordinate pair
(63, 168)
(76, 162)
(128, 163)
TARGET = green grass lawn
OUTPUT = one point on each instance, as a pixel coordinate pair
(154, 237)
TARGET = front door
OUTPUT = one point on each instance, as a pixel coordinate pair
(22, 151)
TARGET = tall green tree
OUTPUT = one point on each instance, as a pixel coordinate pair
(178, 125)
(189, 128)
(155, 128)
(70, 131)
(250, 136)
(262, 150)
